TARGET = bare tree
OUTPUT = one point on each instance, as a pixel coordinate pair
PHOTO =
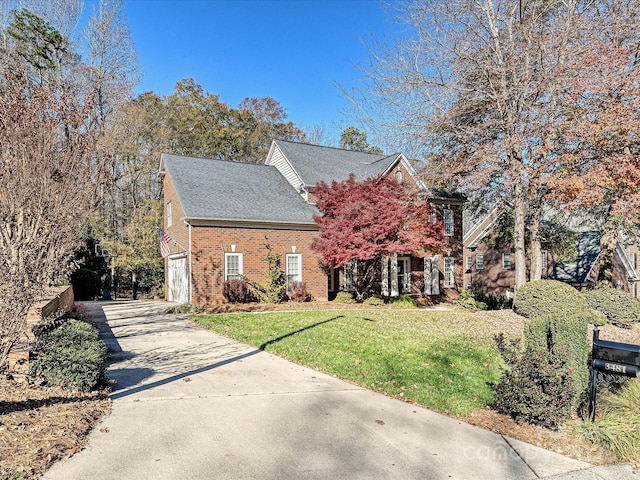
(55, 111)
(480, 86)
(44, 191)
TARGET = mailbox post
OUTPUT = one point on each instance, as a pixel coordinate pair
(611, 357)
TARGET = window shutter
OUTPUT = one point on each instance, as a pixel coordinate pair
(435, 276)
(431, 276)
(384, 287)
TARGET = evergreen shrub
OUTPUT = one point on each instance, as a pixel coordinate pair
(565, 337)
(467, 299)
(71, 356)
(344, 297)
(373, 300)
(536, 387)
(619, 306)
(543, 298)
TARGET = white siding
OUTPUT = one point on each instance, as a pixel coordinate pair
(279, 161)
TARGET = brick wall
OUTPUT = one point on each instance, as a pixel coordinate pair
(60, 300)
(211, 243)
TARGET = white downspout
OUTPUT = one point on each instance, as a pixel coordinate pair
(190, 269)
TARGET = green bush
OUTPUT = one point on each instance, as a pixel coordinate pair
(373, 300)
(405, 301)
(86, 284)
(71, 356)
(536, 387)
(494, 302)
(543, 298)
(620, 307)
(467, 299)
(565, 337)
(618, 424)
(344, 297)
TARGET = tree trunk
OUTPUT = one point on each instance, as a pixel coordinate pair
(535, 251)
(520, 210)
(608, 243)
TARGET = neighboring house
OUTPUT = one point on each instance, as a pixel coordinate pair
(221, 214)
(489, 268)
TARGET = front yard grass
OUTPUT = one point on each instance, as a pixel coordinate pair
(444, 360)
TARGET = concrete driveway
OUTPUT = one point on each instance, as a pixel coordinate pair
(191, 404)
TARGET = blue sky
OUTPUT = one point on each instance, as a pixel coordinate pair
(294, 51)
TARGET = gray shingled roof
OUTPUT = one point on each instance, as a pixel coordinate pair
(577, 270)
(315, 163)
(228, 191)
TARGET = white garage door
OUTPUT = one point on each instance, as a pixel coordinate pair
(177, 280)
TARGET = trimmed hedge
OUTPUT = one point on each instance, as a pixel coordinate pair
(71, 356)
(565, 337)
(619, 306)
(545, 382)
(543, 298)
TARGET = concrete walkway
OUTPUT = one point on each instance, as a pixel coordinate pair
(190, 404)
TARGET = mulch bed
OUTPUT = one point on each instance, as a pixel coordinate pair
(39, 425)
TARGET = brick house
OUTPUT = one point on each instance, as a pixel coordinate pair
(489, 268)
(221, 214)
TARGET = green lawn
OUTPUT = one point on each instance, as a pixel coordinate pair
(443, 360)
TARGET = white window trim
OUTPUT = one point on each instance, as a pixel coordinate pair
(406, 284)
(506, 256)
(299, 264)
(480, 261)
(448, 219)
(169, 214)
(228, 255)
(469, 262)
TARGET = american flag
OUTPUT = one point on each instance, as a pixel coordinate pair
(164, 243)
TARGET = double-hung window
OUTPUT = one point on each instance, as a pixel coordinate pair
(448, 222)
(294, 268)
(479, 261)
(232, 266)
(506, 261)
(169, 214)
(469, 263)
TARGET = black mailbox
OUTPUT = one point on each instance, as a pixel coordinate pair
(616, 352)
(611, 357)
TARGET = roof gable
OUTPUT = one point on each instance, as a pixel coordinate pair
(305, 165)
(315, 163)
(219, 190)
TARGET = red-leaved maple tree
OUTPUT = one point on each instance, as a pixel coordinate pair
(377, 217)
